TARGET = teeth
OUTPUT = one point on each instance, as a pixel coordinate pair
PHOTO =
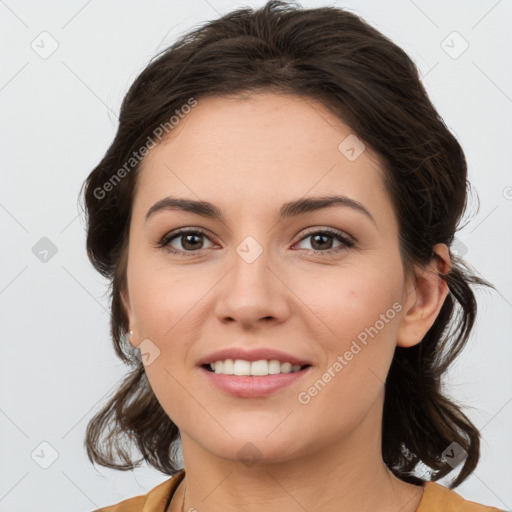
(257, 368)
(286, 367)
(228, 368)
(274, 367)
(241, 367)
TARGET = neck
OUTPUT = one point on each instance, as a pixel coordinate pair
(346, 475)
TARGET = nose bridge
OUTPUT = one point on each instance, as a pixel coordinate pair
(251, 261)
(251, 290)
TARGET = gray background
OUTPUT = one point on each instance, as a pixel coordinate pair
(59, 114)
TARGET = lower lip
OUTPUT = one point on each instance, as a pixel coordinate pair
(253, 387)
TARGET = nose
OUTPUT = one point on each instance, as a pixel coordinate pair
(253, 293)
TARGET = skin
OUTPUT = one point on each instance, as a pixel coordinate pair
(248, 155)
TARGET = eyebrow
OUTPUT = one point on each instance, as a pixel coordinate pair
(287, 210)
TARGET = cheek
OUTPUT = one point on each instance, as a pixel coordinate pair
(163, 307)
(350, 301)
(359, 312)
(168, 309)
(161, 296)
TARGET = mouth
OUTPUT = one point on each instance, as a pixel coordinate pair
(253, 379)
(257, 373)
(260, 368)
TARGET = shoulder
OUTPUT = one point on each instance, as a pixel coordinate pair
(156, 500)
(437, 498)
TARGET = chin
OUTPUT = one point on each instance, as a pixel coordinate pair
(252, 446)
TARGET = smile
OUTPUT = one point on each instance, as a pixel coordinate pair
(253, 386)
(261, 368)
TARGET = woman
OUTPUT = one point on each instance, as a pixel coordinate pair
(292, 376)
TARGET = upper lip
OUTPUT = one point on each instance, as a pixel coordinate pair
(252, 355)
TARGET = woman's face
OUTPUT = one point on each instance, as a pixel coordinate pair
(252, 280)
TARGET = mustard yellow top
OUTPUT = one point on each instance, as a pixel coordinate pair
(436, 498)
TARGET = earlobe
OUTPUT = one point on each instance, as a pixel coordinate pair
(424, 302)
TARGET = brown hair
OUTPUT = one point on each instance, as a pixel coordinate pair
(333, 56)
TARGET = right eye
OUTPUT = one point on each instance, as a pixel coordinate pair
(189, 239)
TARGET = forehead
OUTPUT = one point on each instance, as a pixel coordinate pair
(258, 151)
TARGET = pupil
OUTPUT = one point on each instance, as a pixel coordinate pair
(320, 236)
(186, 237)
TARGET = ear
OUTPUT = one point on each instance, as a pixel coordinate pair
(424, 298)
(125, 299)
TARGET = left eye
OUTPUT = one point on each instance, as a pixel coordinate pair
(321, 238)
(191, 241)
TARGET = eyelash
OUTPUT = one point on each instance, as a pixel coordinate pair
(348, 243)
